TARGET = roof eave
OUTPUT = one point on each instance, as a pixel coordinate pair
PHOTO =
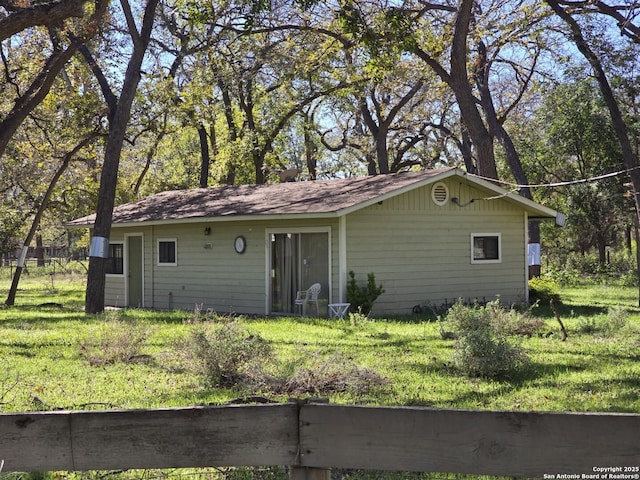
(218, 219)
(533, 209)
(407, 188)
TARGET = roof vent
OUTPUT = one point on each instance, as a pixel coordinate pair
(440, 194)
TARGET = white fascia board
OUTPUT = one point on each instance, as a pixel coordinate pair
(531, 206)
(222, 219)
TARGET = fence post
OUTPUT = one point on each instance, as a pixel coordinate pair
(297, 472)
(309, 473)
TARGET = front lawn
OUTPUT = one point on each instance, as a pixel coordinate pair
(44, 343)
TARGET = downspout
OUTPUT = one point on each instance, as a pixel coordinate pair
(526, 258)
(267, 272)
(153, 269)
(342, 258)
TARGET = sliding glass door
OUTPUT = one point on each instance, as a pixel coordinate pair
(298, 260)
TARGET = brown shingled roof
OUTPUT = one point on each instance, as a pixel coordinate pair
(292, 198)
(320, 198)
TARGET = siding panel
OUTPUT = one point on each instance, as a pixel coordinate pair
(421, 253)
(209, 273)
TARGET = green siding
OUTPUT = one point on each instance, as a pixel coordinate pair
(214, 278)
(421, 253)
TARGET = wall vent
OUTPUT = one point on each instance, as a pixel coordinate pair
(440, 194)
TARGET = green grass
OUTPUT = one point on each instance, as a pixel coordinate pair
(43, 366)
(592, 371)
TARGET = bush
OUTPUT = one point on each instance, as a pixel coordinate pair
(543, 290)
(509, 321)
(361, 298)
(331, 375)
(118, 340)
(620, 264)
(587, 325)
(482, 348)
(226, 355)
(615, 320)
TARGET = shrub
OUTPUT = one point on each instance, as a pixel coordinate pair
(118, 340)
(331, 375)
(543, 289)
(562, 276)
(362, 298)
(509, 321)
(587, 325)
(616, 320)
(482, 349)
(225, 355)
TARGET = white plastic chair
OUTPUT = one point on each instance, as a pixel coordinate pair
(305, 297)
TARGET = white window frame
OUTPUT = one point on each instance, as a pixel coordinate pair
(166, 264)
(124, 266)
(488, 260)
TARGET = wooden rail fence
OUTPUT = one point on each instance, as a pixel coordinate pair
(321, 436)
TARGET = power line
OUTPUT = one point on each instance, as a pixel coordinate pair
(558, 184)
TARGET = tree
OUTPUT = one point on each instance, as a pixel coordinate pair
(60, 33)
(619, 125)
(23, 15)
(574, 140)
(119, 119)
(37, 168)
(434, 29)
(41, 208)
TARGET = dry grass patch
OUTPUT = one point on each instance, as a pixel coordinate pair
(120, 339)
(335, 374)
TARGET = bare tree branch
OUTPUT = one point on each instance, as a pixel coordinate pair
(45, 14)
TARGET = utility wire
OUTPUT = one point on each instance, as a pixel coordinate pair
(558, 184)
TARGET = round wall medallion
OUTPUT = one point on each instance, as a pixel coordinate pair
(240, 244)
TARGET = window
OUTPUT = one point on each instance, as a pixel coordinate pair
(485, 248)
(115, 263)
(167, 252)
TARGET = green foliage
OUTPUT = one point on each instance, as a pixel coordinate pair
(543, 289)
(609, 324)
(225, 355)
(483, 348)
(572, 139)
(360, 297)
(42, 343)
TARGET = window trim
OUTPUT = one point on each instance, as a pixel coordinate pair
(487, 260)
(167, 264)
(113, 244)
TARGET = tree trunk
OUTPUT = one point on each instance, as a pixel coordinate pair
(497, 129)
(459, 83)
(11, 297)
(205, 158)
(39, 250)
(382, 152)
(602, 249)
(94, 302)
(619, 125)
(309, 147)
